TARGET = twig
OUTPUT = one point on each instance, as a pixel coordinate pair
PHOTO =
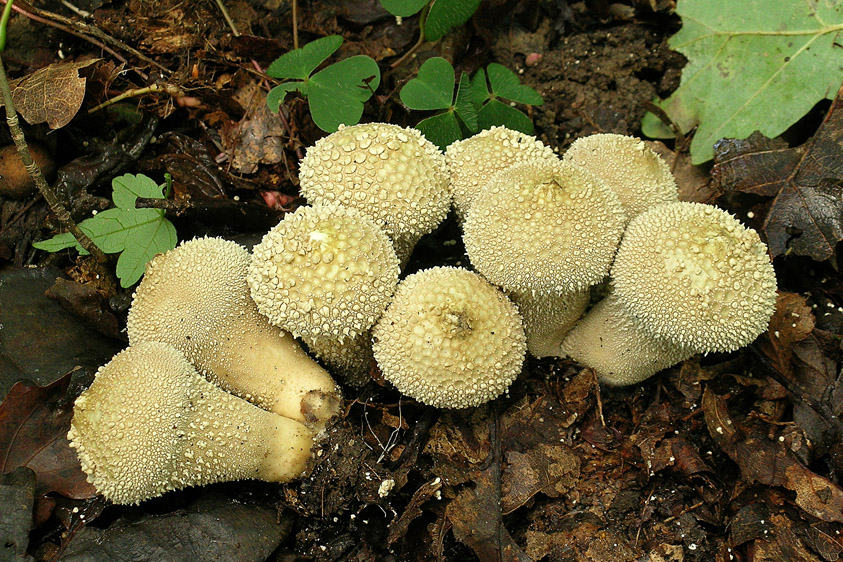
(295, 6)
(174, 91)
(227, 17)
(34, 171)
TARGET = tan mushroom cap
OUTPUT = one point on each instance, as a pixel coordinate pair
(196, 298)
(608, 340)
(450, 339)
(473, 161)
(150, 423)
(544, 227)
(547, 318)
(692, 274)
(637, 175)
(324, 272)
(391, 173)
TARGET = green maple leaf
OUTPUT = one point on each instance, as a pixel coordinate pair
(752, 65)
(137, 234)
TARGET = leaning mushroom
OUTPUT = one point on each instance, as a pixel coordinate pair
(196, 298)
(549, 318)
(472, 162)
(150, 424)
(324, 272)
(691, 279)
(449, 339)
(391, 173)
(637, 175)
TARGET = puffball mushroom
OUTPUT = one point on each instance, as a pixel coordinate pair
(324, 272)
(543, 227)
(449, 339)
(196, 298)
(637, 175)
(473, 161)
(391, 173)
(349, 360)
(150, 424)
(689, 277)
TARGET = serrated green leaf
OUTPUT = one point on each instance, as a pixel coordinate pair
(464, 107)
(142, 244)
(445, 14)
(336, 94)
(56, 243)
(403, 8)
(277, 94)
(441, 129)
(432, 88)
(498, 113)
(127, 188)
(299, 63)
(507, 85)
(752, 65)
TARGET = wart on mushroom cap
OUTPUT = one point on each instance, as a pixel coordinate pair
(543, 227)
(196, 298)
(472, 162)
(449, 339)
(324, 272)
(637, 175)
(692, 274)
(150, 423)
(391, 173)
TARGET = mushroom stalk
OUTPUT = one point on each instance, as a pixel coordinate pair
(150, 423)
(548, 318)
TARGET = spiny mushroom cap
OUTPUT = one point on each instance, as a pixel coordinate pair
(472, 162)
(324, 271)
(544, 227)
(150, 423)
(547, 318)
(350, 360)
(691, 273)
(449, 339)
(196, 298)
(639, 176)
(608, 340)
(391, 173)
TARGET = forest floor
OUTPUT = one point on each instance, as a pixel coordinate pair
(724, 457)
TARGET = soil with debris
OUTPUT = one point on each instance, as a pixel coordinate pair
(724, 457)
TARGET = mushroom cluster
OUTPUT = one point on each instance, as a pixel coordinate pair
(214, 385)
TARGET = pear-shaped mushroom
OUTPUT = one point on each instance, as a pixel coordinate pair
(150, 423)
(196, 298)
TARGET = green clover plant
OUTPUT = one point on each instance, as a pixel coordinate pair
(137, 234)
(476, 104)
(335, 94)
(438, 16)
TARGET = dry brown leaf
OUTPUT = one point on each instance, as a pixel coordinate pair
(52, 94)
(792, 322)
(550, 468)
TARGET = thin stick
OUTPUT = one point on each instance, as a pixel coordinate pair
(34, 171)
(174, 91)
(294, 5)
(227, 17)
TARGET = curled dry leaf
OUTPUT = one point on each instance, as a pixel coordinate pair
(52, 94)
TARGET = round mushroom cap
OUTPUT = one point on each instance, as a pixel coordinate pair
(350, 360)
(692, 274)
(450, 339)
(391, 173)
(150, 423)
(637, 175)
(544, 227)
(324, 271)
(473, 161)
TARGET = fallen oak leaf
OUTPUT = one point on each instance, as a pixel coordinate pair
(34, 421)
(805, 216)
(770, 463)
(52, 94)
